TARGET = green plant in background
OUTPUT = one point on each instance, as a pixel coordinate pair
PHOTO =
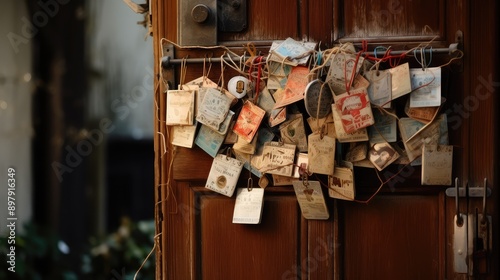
(39, 254)
(120, 254)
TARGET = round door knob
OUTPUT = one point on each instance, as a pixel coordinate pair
(200, 13)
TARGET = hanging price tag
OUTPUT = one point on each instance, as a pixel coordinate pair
(248, 206)
(224, 175)
(321, 152)
(311, 201)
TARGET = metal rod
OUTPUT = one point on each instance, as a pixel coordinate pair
(167, 61)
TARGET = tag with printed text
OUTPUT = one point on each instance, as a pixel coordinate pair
(224, 174)
(311, 200)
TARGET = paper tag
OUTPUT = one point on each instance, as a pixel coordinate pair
(354, 110)
(224, 174)
(245, 147)
(321, 154)
(318, 99)
(278, 158)
(300, 160)
(401, 82)
(342, 182)
(231, 137)
(293, 132)
(213, 108)
(224, 126)
(295, 86)
(183, 135)
(344, 137)
(248, 206)
(251, 163)
(381, 155)
(426, 86)
(180, 107)
(311, 201)
(202, 82)
(266, 101)
(209, 140)
(327, 124)
(429, 134)
(380, 89)
(293, 51)
(384, 129)
(248, 121)
(278, 73)
(341, 68)
(437, 162)
(357, 152)
(423, 114)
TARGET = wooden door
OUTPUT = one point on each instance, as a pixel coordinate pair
(406, 231)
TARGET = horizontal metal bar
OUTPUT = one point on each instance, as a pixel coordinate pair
(167, 61)
(472, 192)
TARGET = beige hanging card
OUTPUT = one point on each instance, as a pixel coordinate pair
(213, 108)
(311, 200)
(401, 82)
(180, 107)
(321, 154)
(437, 162)
(224, 174)
(342, 182)
(293, 132)
(277, 158)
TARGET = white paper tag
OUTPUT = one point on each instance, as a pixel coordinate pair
(278, 158)
(342, 182)
(224, 175)
(213, 108)
(311, 200)
(380, 89)
(321, 153)
(248, 206)
(426, 86)
(401, 82)
(180, 107)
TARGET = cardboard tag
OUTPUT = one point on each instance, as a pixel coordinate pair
(344, 137)
(380, 89)
(202, 82)
(426, 87)
(278, 158)
(245, 147)
(384, 129)
(224, 126)
(354, 110)
(341, 183)
(213, 108)
(401, 82)
(423, 114)
(327, 124)
(295, 86)
(300, 160)
(248, 121)
(224, 174)
(293, 132)
(341, 68)
(357, 152)
(318, 99)
(209, 140)
(381, 155)
(292, 51)
(183, 135)
(180, 107)
(321, 154)
(278, 73)
(311, 200)
(437, 162)
(429, 134)
(248, 206)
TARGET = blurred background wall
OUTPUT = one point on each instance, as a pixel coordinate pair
(76, 122)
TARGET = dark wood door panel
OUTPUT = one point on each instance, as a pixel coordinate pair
(393, 237)
(400, 20)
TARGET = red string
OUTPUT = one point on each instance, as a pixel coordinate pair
(259, 73)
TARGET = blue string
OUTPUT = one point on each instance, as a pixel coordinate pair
(379, 47)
